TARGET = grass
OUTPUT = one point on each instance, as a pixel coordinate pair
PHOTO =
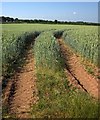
(57, 100)
(90, 70)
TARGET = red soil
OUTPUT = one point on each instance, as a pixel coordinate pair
(23, 86)
(77, 70)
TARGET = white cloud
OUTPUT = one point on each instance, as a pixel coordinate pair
(74, 13)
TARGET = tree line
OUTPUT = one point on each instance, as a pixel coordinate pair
(4, 20)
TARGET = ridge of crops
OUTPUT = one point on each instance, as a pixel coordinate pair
(84, 41)
(14, 47)
(47, 52)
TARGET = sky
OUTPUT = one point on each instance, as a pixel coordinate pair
(63, 11)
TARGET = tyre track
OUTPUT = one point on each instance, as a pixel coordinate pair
(21, 91)
(86, 81)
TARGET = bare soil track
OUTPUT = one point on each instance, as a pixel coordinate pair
(21, 91)
(76, 71)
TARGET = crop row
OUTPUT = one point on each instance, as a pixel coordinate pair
(84, 41)
(14, 48)
(47, 52)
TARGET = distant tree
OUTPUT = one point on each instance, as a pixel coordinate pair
(35, 21)
(55, 21)
(2, 19)
(11, 19)
(8, 19)
(16, 20)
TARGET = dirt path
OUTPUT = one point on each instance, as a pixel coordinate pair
(21, 92)
(77, 70)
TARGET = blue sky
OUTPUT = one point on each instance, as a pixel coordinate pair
(64, 11)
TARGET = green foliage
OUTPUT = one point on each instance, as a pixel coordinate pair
(58, 101)
(58, 34)
(47, 52)
(84, 40)
(14, 49)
